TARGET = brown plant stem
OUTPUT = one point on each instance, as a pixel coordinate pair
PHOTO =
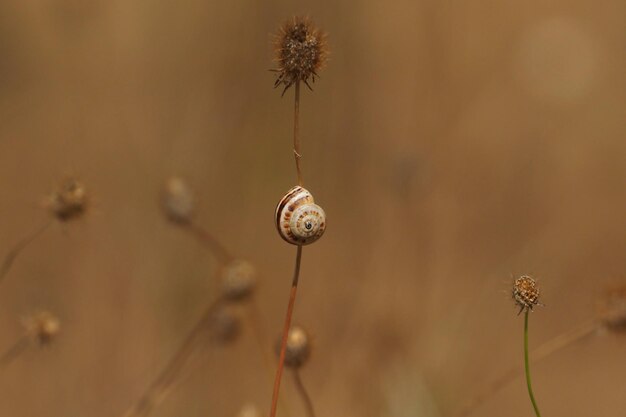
(283, 342)
(253, 313)
(157, 390)
(18, 248)
(296, 133)
(553, 345)
(260, 336)
(14, 351)
(306, 399)
(207, 239)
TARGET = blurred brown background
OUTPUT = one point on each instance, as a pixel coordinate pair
(452, 144)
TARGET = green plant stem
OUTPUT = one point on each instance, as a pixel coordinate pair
(527, 366)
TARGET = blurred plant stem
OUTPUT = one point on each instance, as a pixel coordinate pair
(306, 399)
(157, 391)
(555, 344)
(10, 257)
(14, 351)
(208, 240)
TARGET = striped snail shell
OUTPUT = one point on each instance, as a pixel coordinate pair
(298, 219)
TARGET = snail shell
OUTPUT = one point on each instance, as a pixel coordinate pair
(298, 219)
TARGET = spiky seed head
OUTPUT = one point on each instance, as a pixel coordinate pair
(301, 52)
(612, 309)
(69, 200)
(250, 410)
(43, 327)
(526, 292)
(298, 347)
(178, 200)
(225, 324)
(238, 280)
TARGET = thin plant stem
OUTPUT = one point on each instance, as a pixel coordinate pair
(283, 342)
(14, 351)
(253, 315)
(555, 344)
(306, 399)
(207, 239)
(18, 248)
(260, 336)
(158, 389)
(527, 365)
(296, 133)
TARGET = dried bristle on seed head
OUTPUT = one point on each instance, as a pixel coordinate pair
(178, 200)
(525, 292)
(612, 309)
(298, 347)
(43, 327)
(301, 52)
(238, 280)
(69, 200)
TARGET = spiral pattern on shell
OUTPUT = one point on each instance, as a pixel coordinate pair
(298, 219)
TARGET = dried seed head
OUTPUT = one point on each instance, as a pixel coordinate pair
(43, 327)
(301, 52)
(225, 325)
(178, 200)
(249, 410)
(238, 280)
(298, 347)
(525, 293)
(612, 309)
(69, 201)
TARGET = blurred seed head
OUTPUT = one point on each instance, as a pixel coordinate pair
(250, 410)
(525, 292)
(225, 324)
(301, 52)
(69, 201)
(298, 347)
(238, 280)
(612, 309)
(178, 200)
(43, 327)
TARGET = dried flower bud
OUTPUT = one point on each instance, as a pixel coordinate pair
(525, 293)
(238, 280)
(249, 410)
(69, 201)
(43, 327)
(301, 51)
(225, 324)
(612, 309)
(178, 200)
(298, 347)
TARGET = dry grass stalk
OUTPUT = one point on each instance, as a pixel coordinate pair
(301, 51)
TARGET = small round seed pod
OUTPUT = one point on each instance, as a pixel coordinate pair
(526, 292)
(250, 410)
(178, 200)
(69, 201)
(299, 220)
(225, 324)
(238, 280)
(43, 327)
(298, 347)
